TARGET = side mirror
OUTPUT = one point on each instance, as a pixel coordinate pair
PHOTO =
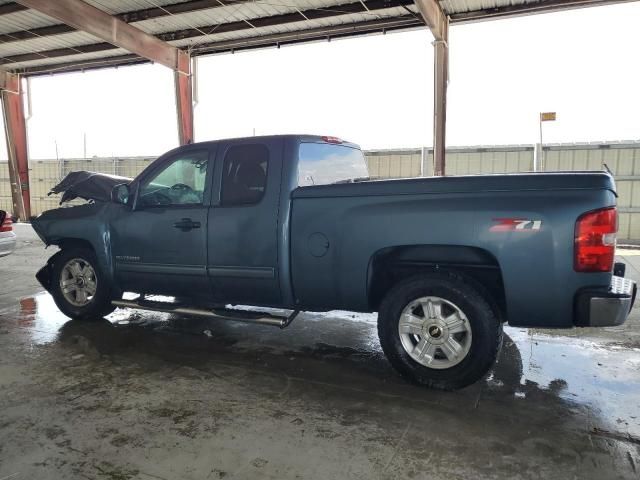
(120, 193)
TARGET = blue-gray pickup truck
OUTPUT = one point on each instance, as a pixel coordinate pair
(295, 222)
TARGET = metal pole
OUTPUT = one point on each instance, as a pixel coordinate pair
(539, 161)
(441, 78)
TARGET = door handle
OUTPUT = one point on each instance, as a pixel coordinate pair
(186, 224)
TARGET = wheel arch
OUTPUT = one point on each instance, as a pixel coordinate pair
(67, 243)
(390, 265)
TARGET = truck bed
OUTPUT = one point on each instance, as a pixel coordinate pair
(362, 222)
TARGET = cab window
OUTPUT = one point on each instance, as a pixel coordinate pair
(244, 175)
(181, 182)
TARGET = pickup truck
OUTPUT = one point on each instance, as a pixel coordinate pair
(294, 222)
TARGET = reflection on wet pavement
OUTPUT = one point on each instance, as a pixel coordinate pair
(600, 381)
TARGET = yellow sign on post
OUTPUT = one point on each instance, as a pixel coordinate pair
(548, 116)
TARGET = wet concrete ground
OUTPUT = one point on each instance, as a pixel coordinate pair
(144, 396)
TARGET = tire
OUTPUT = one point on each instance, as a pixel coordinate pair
(471, 323)
(94, 283)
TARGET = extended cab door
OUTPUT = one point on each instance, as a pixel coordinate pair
(243, 240)
(160, 246)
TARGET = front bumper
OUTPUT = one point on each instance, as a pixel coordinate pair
(599, 307)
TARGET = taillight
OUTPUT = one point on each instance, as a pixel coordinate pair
(332, 140)
(7, 224)
(595, 240)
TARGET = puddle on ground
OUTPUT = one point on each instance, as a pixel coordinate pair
(603, 377)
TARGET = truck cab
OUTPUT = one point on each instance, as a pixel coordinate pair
(209, 221)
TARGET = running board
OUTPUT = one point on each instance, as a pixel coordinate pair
(246, 316)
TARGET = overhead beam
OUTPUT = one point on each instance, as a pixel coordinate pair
(11, 7)
(16, 138)
(434, 17)
(229, 27)
(90, 19)
(328, 33)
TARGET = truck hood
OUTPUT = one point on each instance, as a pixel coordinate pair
(88, 185)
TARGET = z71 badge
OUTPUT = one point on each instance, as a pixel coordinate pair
(515, 225)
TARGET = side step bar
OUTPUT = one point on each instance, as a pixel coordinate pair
(248, 316)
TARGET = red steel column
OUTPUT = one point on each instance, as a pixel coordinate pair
(16, 134)
(184, 99)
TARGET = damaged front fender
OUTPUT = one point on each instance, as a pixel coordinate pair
(85, 226)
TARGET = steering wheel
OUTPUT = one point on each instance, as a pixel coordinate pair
(181, 186)
(162, 199)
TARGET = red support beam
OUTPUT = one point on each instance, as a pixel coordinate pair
(184, 98)
(16, 135)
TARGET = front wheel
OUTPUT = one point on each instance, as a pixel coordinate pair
(78, 286)
(438, 330)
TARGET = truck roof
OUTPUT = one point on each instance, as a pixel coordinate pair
(298, 137)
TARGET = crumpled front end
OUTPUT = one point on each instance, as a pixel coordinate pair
(88, 185)
(83, 225)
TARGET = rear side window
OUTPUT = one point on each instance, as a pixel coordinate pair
(326, 163)
(244, 175)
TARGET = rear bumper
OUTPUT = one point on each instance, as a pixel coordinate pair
(601, 307)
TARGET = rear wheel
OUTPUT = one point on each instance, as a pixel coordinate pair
(78, 286)
(438, 330)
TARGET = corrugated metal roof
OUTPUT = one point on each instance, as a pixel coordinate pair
(24, 20)
(114, 7)
(31, 42)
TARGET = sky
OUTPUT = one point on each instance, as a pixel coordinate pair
(375, 91)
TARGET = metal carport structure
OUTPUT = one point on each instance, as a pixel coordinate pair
(40, 37)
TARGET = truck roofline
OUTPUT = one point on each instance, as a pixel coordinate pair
(288, 136)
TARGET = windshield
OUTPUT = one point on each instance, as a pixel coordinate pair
(325, 163)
